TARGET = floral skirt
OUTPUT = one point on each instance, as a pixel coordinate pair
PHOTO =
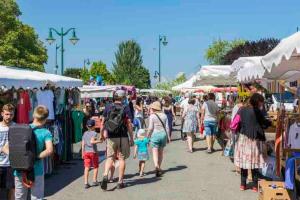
(248, 153)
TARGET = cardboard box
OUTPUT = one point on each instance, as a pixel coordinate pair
(272, 190)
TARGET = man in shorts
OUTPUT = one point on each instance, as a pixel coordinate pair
(6, 173)
(118, 144)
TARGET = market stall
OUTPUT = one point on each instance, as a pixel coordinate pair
(282, 65)
(26, 89)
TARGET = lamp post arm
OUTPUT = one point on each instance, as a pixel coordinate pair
(53, 29)
(70, 29)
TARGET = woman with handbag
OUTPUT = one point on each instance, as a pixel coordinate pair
(159, 134)
(249, 147)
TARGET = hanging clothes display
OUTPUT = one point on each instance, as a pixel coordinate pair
(33, 102)
(77, 117)
(294, 136)
(46, 98)
(60, 100)
(23, 107)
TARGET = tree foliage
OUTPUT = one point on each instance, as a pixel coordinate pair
(128, 67)
(73, 72)
(99, 68)
(19, 44)
(218, 49)
(167, 85)
(250, 48)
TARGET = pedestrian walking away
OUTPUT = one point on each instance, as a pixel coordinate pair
(159, 133)
(118, 125)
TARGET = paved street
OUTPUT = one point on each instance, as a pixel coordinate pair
(188, 176)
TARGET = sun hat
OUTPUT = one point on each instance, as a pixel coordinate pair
(141, 132)
(156, 106)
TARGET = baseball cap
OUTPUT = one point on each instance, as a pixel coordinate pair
(120, 93)
(90, 123)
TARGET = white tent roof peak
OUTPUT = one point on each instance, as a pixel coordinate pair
(288, 47)
(248, 68)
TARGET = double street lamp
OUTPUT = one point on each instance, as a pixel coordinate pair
(74, 39)
(161, 40)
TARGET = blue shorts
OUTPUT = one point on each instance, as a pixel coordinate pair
(210, 128)
(158, 140)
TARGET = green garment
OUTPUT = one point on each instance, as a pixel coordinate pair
(77, 117)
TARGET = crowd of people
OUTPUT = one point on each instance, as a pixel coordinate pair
(121, 124)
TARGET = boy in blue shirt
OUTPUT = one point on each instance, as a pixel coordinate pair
(44, 148)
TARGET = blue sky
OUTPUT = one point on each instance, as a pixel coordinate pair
(190, 26)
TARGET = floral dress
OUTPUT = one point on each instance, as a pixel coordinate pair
(190, 119)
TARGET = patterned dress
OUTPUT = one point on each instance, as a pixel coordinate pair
(190, 120)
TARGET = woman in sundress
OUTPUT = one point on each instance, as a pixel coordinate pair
(191, 122)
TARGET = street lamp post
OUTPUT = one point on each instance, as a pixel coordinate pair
(161, 40)
(86, 61)
(73, 40)
(56, 65)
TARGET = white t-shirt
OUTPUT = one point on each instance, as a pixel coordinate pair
(155, 124)
(294, 136)
(184, 104)
(46, 98)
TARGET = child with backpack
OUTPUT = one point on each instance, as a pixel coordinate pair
(141, 150)
(7, 182)
(90, 153)
(44, 148)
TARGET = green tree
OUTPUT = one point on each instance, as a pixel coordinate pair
(73, 72)
(100, 68)
(250, 48)
(128, 67)
(218, 49)
(19, 44)
(167, 85)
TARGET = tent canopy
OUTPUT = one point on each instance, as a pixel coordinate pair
(187, 84)
(215, 75)
(283, 62)
(155, 91)
(16, 77)
(97, 91)
(248, 68)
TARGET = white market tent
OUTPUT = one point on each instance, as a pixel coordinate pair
(215, 75)
(186, 85)
(97, 91)
(154, 91)
(283, 62)
(22, 78)
(248, 68)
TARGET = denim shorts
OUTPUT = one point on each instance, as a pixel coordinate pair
(158, 139)
(210, 128)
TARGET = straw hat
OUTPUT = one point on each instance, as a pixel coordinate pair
(156, 106)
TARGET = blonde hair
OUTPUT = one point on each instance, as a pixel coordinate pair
(8, 107)
(41, 113)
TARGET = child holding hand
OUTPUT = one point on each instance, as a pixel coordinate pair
(141, 150)
(90, 153)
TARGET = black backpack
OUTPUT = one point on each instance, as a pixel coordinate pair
(114, 123)
(22, 147)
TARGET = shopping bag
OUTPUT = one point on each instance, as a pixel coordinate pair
(229, 149)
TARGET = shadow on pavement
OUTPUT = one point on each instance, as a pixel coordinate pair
(62, 177)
